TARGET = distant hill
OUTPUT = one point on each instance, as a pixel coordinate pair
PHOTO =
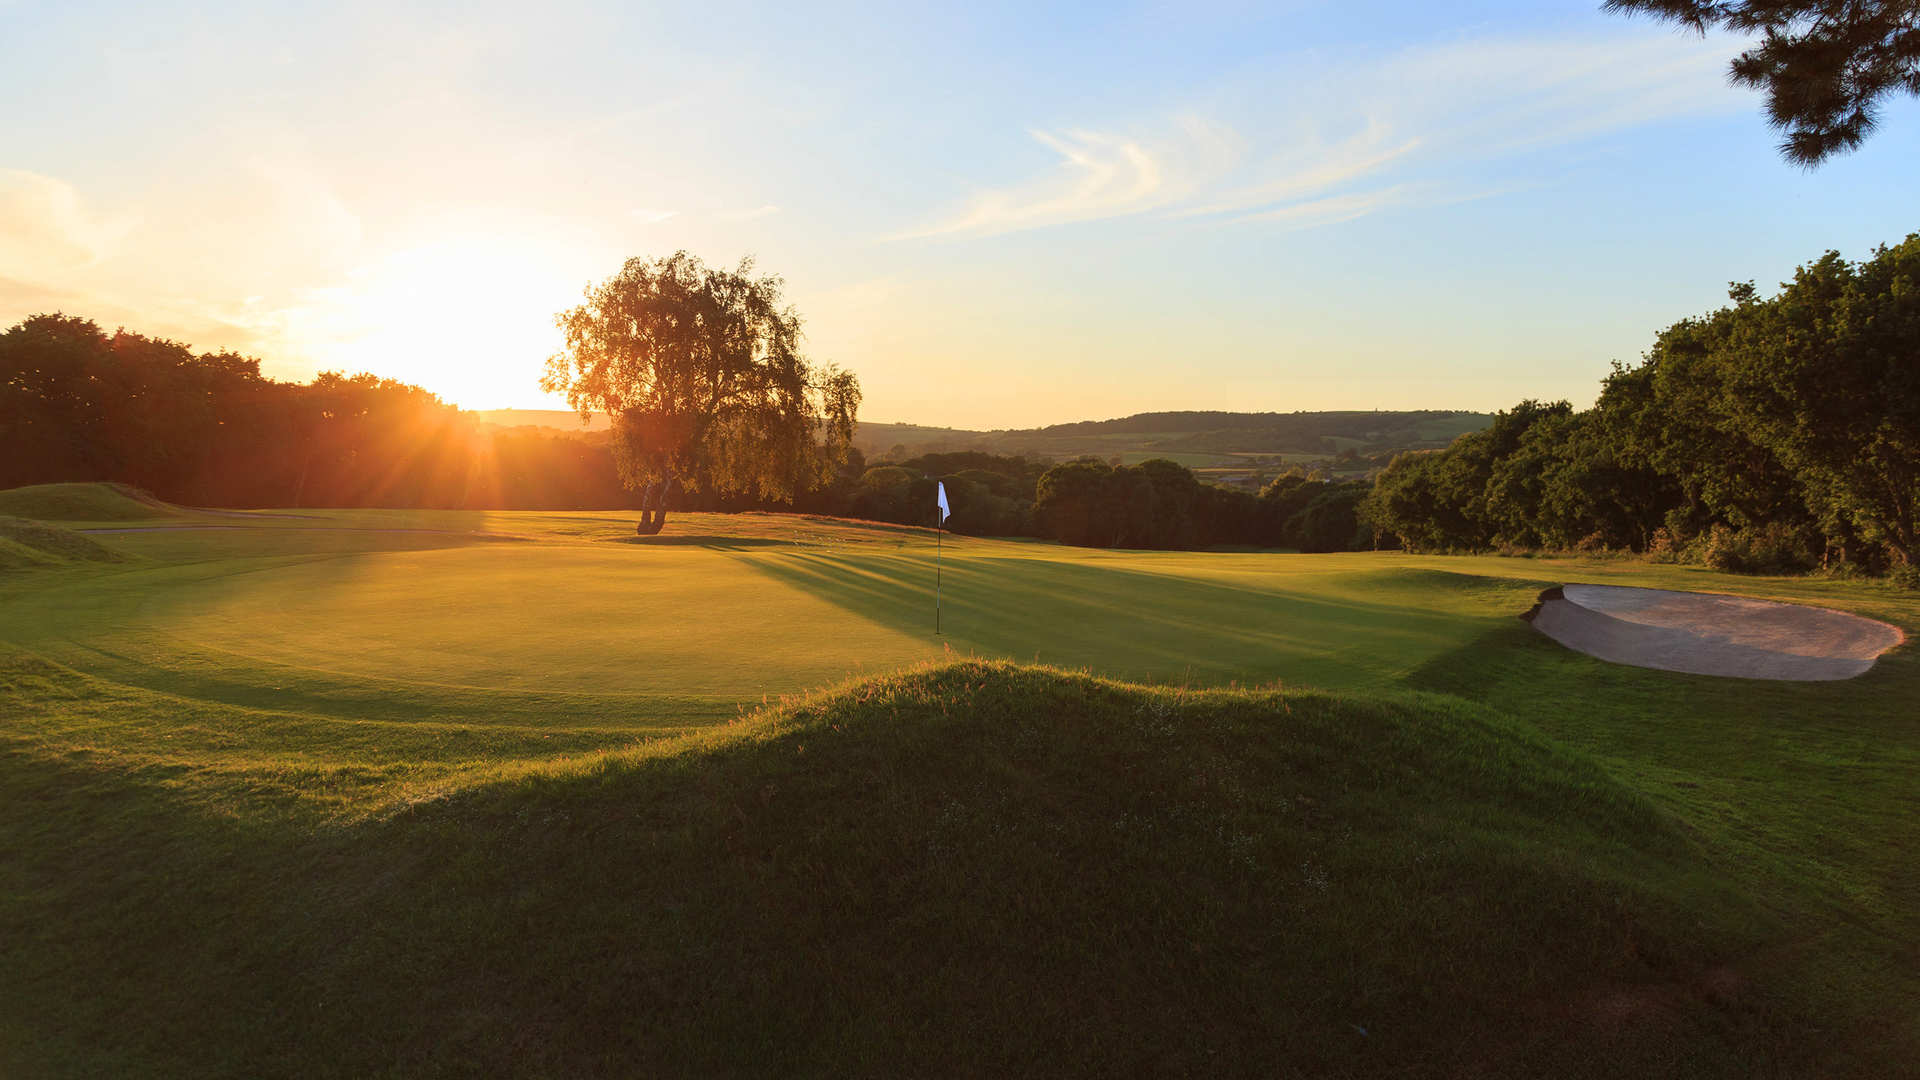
(1227, 447)
(1223, 446)
(560, 419)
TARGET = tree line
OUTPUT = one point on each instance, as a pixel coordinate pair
(1775, 434)
(1093, 503)
(208, 429)
(79, 403)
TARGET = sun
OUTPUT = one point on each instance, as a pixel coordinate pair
(469, 318)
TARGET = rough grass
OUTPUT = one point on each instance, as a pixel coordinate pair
(17, 556)
(356, 794)
(968, 870)
(49, 544)
(83, 502)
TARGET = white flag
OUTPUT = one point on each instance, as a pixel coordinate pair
(941, 501)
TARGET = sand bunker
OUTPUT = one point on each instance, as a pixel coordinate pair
(1711, 634)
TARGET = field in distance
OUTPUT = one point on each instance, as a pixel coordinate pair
(1219, 445)
(331, 792)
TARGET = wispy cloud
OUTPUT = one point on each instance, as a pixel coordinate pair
(1304, 143)
(46, 229)
(1101, 176)
(1334, 209)
(1300, 171)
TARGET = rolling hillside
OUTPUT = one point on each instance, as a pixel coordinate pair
(406, 793)
(1218, 445)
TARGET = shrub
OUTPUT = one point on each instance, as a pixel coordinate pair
(1594, 543)
(1773, 548)
(1663, 548)
(1843, 570)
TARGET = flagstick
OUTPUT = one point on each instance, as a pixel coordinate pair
(940, 533)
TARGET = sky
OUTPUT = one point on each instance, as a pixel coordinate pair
(997, 215)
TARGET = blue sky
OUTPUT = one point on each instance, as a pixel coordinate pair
(996, 215)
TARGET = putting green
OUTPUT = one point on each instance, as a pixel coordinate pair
(226, 741)
(423, 632)
(606, 620)
(622, 635)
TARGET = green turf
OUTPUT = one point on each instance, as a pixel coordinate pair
(45, 544)
(83, 502)
(351, 793)
(15, 555)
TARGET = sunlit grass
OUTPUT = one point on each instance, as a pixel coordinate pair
(340, 793)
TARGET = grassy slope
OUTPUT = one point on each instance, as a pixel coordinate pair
(46, 544)
(464, 864)
(969, 869)
(83, 502)
(1193, 439)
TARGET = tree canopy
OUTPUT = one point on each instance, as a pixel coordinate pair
(79, 403)
(1773, 434)
(700, 370)
(1825, 64)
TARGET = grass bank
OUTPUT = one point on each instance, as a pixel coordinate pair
(971, 869)
(417, 793)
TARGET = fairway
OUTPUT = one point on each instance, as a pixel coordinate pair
(526, 633)
(375, 721)
(568, 616)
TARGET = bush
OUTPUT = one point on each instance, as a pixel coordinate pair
(1774, 548)
(1663, 548)
(1330, 522)
(1594, 543)
(1905, 576)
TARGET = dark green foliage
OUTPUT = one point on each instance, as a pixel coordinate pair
(989, 495)
(1827, 377)
(1824, 64)
(1772, 435)
(1473, 495)
(1330, 522)
(1082, 503)
(1423, 500)
(1773, 548)
(890, 493)
(78, 404)
(1159, 504)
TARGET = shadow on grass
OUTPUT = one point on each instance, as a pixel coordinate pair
(1800, 789)
(970, 845)
(1144, 624)
(717, 543)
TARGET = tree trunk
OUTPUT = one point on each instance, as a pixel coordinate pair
(653, 508)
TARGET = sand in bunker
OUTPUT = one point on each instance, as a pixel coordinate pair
(1711, 634)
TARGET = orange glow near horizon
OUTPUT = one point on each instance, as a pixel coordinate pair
(470, 319)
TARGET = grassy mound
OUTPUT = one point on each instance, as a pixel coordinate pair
(17, 556)
(83, 502)
(969, 870)
(30, 543)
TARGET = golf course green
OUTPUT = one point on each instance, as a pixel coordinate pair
(312, 792)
